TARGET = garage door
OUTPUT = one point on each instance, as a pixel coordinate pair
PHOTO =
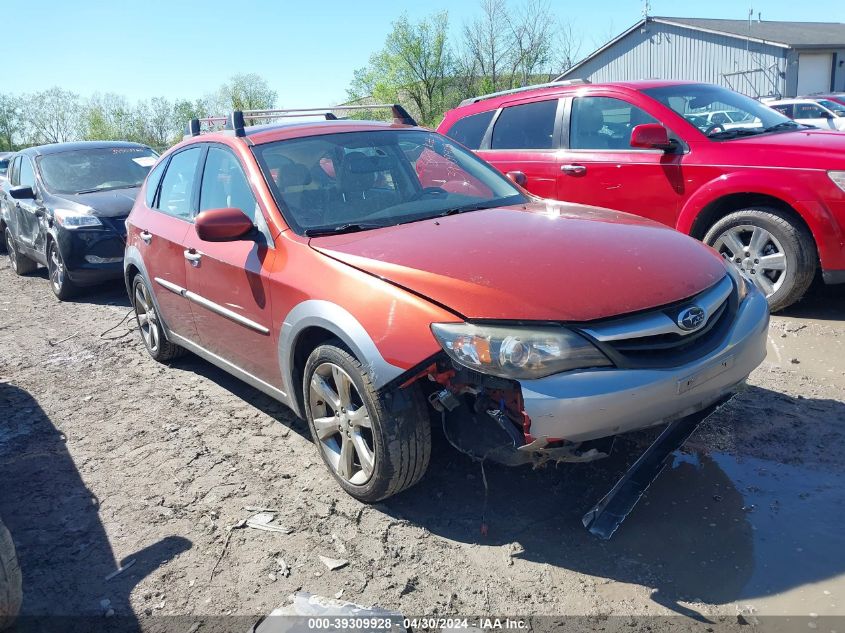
(814, 73)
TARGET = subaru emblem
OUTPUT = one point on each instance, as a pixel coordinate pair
(691, 318)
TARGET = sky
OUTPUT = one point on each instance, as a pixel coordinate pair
(307, 51)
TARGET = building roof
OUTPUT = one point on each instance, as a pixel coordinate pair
(784, 34)
(792, 34)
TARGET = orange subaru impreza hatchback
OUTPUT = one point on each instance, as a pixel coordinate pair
(377, 276)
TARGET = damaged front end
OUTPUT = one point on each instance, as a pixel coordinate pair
(484, 417)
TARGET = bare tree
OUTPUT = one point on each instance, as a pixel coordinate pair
(533, 35)
(569, 44)
(489, 42)
(51, 116)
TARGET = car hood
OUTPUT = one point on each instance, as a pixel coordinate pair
(105, 204)
(803, 148)
(542, 261)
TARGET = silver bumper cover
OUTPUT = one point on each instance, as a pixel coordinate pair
(585, 405)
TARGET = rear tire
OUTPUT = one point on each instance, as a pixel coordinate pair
(149, 324)
(375, 446)
(60, 282)
(21, 264)
(11, 592)
(771, 248)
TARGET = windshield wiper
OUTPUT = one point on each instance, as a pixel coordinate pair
(464, 209)
(739, 131)
(341, 228)
(784, 125)
(96, 189)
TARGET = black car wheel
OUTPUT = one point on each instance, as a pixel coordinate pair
(61, 284)
(21, 264)
(373, 450)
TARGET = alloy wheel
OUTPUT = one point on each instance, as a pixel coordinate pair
(342, 424)
(57, 269)
(757, 253)
(147, 319)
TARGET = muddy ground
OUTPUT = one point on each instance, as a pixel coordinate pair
(107, 457)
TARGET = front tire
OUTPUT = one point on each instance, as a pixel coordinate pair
(21, 264)
(149, 324)
(773, 250)
(60, 282)
(374, 449)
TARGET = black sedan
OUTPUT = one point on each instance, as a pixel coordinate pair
(64, 206)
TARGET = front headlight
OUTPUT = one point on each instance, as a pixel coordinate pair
(517, 352)
(74, 219)
(740, 281)
(838, 178)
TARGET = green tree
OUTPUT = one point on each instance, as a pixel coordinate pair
(10, 113)
(107, 117)
(245, 91)
(414, 65)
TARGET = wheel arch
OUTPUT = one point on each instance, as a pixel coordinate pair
(310, 324)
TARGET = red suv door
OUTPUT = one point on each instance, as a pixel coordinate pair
(229, 280)
(599, 166)
(526, 138)
(158, 231)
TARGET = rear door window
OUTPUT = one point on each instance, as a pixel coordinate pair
(470, 130)
(808, 111)
(785, 109)
(178, 185)
(527, 126)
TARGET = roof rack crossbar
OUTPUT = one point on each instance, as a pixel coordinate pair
(501, 93)
(236, 121)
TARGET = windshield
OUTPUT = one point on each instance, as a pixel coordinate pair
(361, 180)
(720, 113)
(833, 106)
(96, 169)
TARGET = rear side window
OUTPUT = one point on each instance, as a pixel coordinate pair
(528, 126)
(470, 130)
(178, 185)
(152, 183)
(224, 185)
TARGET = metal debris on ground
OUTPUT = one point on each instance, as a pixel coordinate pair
(264, 521)
(53, 343)
(120, 570)
(333, 563)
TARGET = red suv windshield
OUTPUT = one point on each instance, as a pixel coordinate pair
(720, 113)
(377, 178)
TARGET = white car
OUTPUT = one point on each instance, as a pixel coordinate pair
(822, 113)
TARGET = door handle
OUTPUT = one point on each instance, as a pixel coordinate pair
(193, 256)
(146, 236)
(574, 170)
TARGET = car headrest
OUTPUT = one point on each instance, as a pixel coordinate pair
(293, 175)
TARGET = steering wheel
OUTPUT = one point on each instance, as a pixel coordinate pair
(430, 191)
(714, 129)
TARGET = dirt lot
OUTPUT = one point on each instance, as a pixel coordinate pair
(107, 456)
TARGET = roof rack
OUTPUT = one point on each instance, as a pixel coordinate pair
(236, 121)
(501, 93)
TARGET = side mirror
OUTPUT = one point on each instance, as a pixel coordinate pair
(651, 136)
(22, 193)
(222, 225)
(518, 177)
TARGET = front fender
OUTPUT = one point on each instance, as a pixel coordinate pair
(340, 322)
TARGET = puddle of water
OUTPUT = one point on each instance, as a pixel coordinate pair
(723, 529)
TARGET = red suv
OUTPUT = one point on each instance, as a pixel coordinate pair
(766, 192)
(370, 274)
